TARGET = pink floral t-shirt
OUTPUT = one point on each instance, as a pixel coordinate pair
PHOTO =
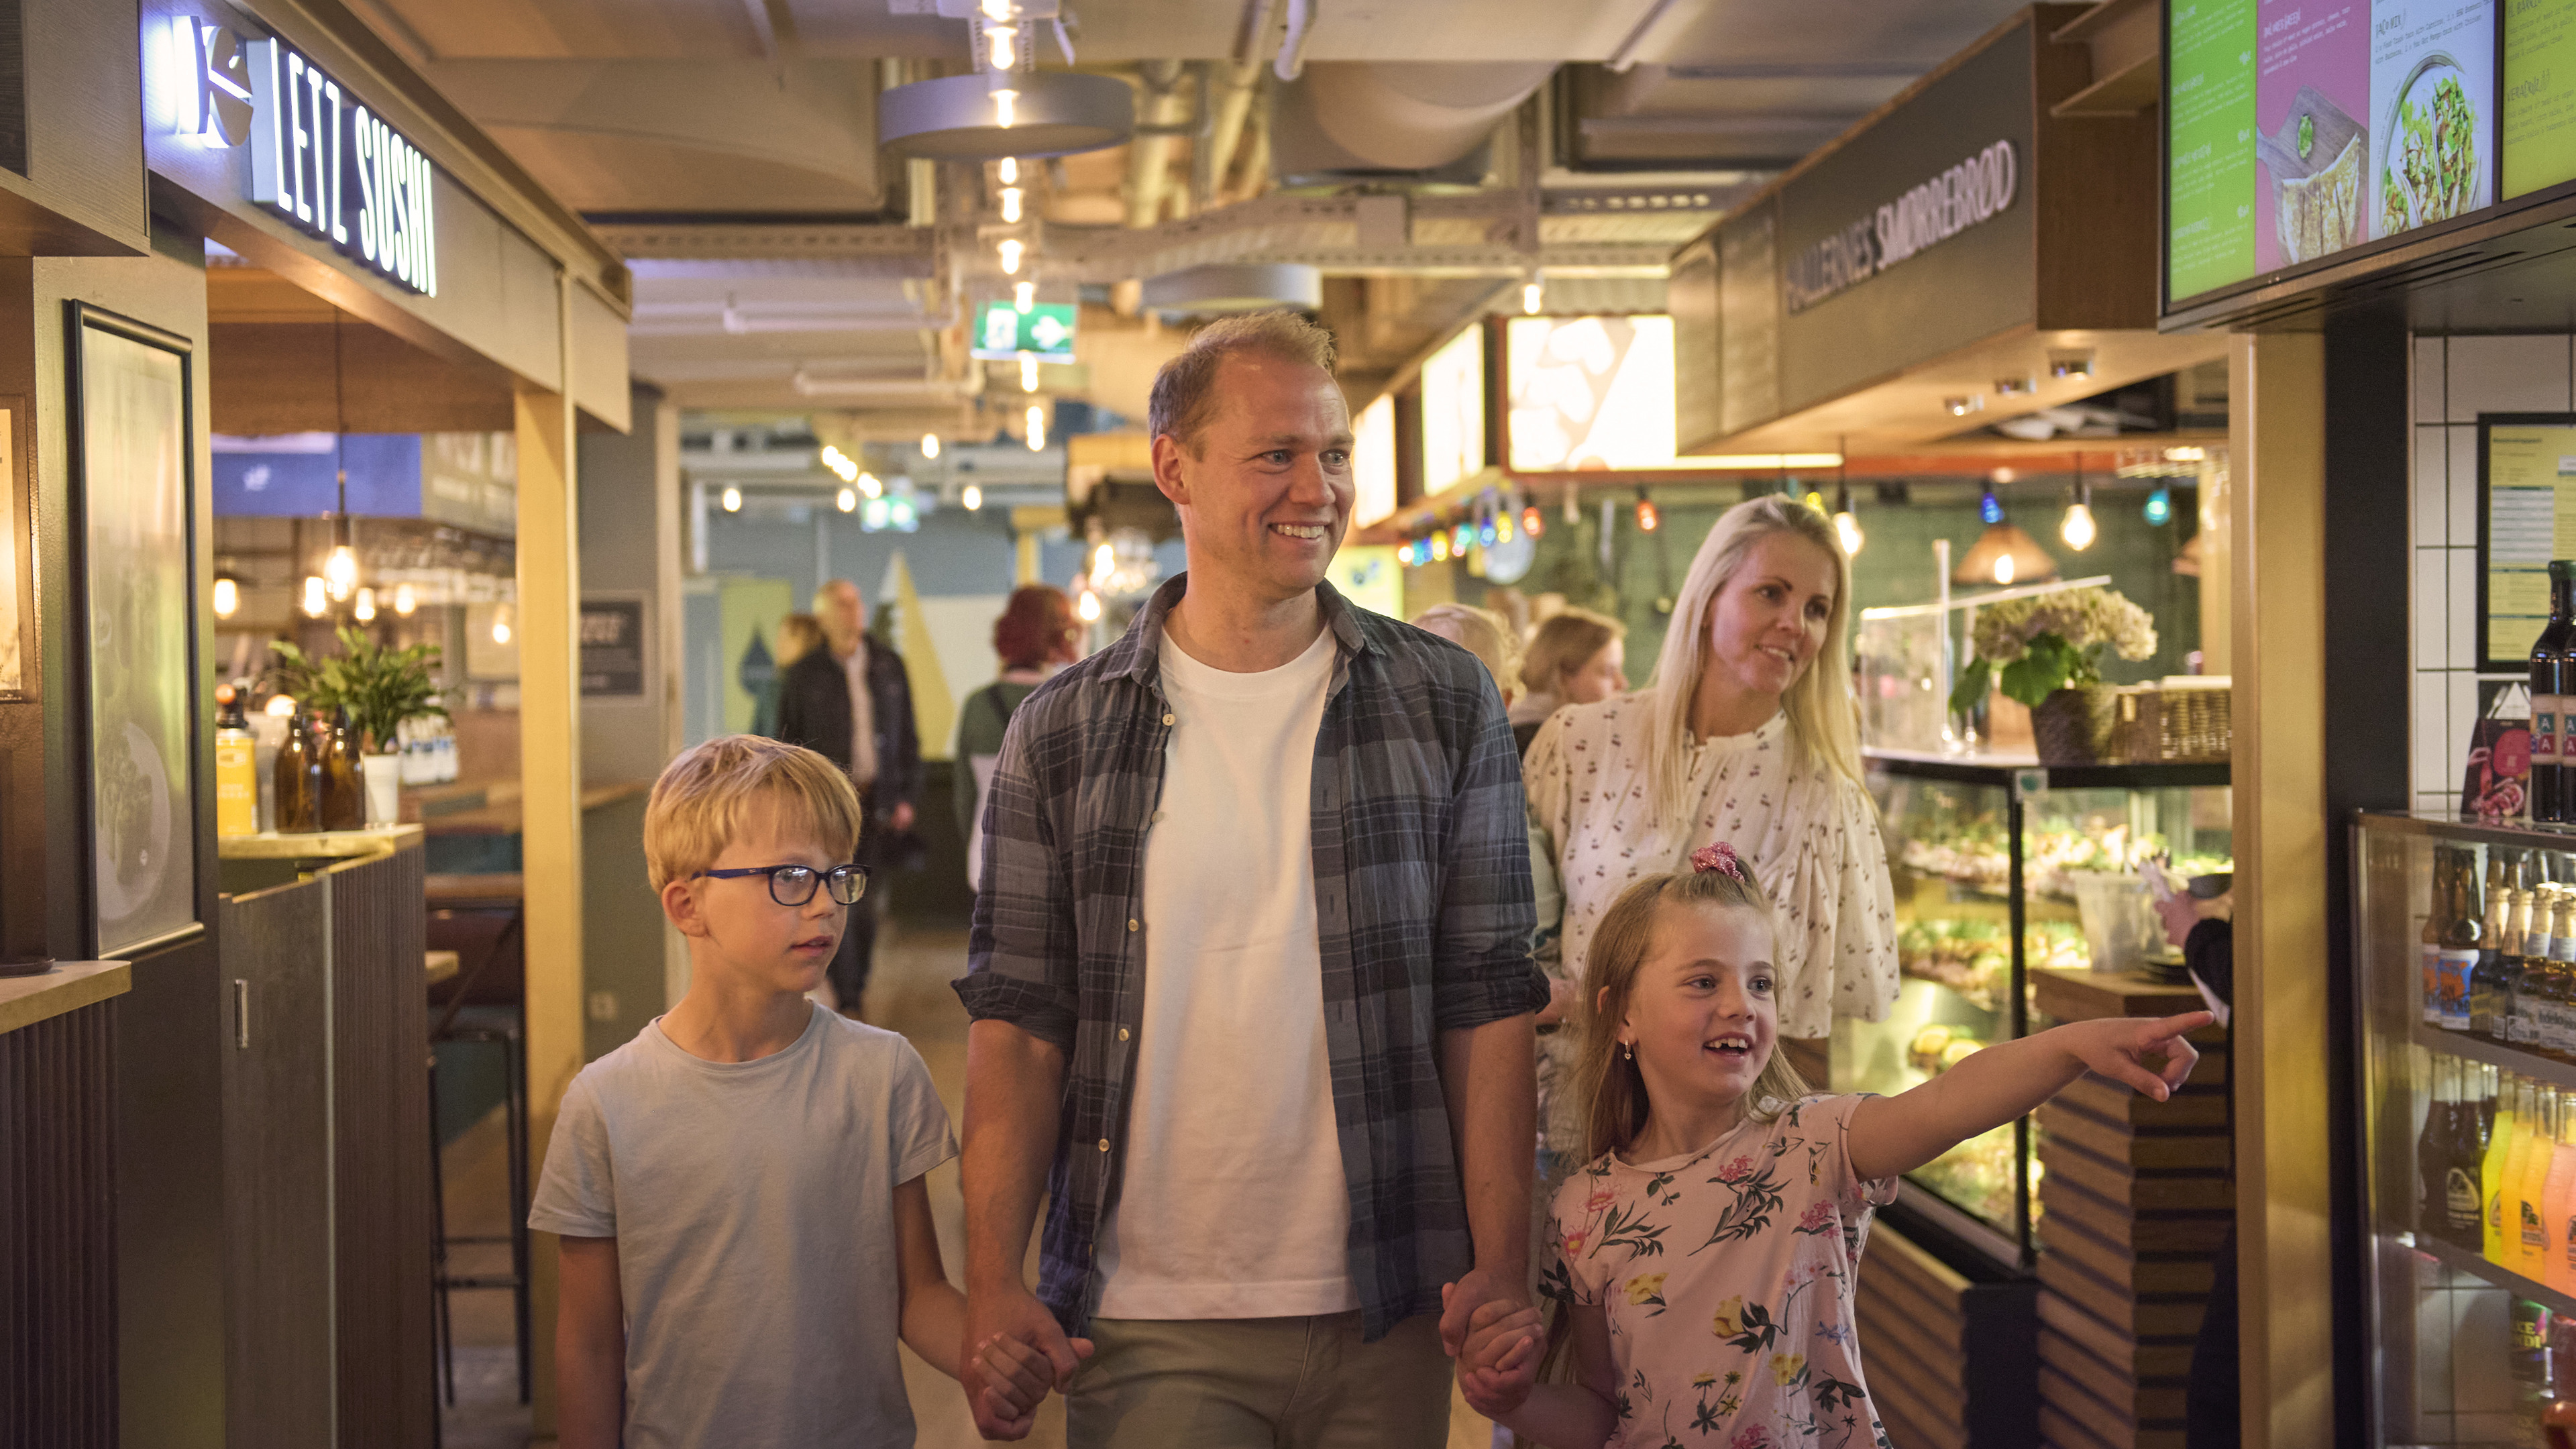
(1726, 1277)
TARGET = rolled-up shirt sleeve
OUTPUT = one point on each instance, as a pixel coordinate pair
(1021, 957)
(1482, 967)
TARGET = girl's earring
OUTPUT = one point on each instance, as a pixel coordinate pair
(1628, 1050)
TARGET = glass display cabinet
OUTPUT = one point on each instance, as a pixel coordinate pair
(2003, 868)
(2465, 985)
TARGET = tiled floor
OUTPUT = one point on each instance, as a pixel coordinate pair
(909, 993)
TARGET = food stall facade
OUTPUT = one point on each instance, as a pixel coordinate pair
(281, 139)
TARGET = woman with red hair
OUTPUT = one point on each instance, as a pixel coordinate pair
(1036, 635)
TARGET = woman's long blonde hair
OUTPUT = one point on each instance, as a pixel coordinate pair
(1615, 1091)
(1824, 726)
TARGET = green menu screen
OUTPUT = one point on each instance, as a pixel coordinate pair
(2539, 94)
(2210, 200)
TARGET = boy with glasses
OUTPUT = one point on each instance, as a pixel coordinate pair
(739, 1190)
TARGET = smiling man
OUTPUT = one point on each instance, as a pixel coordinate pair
(1250, 977)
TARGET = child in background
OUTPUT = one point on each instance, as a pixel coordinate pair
(739, 1189)
(1704, 1262)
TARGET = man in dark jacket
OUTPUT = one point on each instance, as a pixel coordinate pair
(852, 701)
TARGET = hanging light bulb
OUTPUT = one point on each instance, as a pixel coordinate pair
(1010, 171)
(2003, 568)
(1649, 518)
(366, 609)
(930, 445)
(972, 497)
(501, 624)
(1533, 522)
(1010, 248)
(1503, 526)
(1011, 206)
(405, 601)
(869, 485)
(1005, 109)
(2077, 528)
(847, 500)
(317, 598)
(1440, 548)
(1028, 372)
(1001, 43)
(340, 570)
(1533, 296)
(1104, 562)
(732, 499)
(1990, 509)
(2160, 506)
(227, 598)
(1037, 428)
(1024, 295)
(1404, 553)
(1087, 608)
(1847, 523)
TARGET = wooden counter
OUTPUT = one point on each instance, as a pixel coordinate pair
(317, 844)
(2136, 1200)
(71, 985)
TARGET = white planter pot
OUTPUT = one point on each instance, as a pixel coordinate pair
(384, 788)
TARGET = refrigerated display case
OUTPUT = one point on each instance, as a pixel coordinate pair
(2003, 868)
(2471, 1279)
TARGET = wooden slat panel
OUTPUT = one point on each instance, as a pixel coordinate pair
(2115, 1266)
(2199, 1233)
(2059, 1429)
(2192, 1107)
(2075, 1321)
(58, 1322)
(380, 1035)
(2132, 1188)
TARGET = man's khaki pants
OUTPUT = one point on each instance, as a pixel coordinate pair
(1260, 1383)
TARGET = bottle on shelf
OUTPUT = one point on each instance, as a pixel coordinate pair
(2437, 930)
(2494, 1167)
(236, 766)
(2462, 937)
(2558, 1205)
(298, 798)
(2490, 985)
(2553, 1024)
(2550, 686)
(2464, 1199)
(2435, 1147)
(2530, 1235)
(2530, 1369)
(2489, 1083)
(344, 790)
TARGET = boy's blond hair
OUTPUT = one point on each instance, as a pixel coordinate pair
(699, 804)
(1480, 632)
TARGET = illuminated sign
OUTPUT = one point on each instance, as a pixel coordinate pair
(1373, 463)
(319, 159)
(1453, 411)
(1003, 331)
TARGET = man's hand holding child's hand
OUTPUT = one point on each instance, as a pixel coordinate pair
(1011, 1378)
(1498, 1365)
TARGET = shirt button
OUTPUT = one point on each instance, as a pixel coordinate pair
(1104, 1144)
(1158, 817)
(1167, 719)
(1122, 1033)
(1131, 923)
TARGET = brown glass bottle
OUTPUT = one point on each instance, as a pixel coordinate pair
(298, 802)
(344, 790)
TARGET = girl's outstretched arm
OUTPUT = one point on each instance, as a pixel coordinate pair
(1578, 1415)
(1890, 1135)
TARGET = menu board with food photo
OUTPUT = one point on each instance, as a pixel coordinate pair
(2312, 135)
(2432, 80)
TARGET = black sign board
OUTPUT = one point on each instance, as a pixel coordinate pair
(612, 648)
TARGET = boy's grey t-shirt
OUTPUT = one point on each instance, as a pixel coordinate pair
(753, 1207)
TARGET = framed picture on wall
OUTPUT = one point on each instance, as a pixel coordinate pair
(2526, 504)
(134, 590)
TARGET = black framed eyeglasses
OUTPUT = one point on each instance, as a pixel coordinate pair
(793, 885)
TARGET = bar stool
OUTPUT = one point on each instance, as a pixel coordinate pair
(483, 918)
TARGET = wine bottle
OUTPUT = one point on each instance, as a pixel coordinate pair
(2462, 937)
(2508, 912)
(344, 791)
(2550, 687)
(298, 802)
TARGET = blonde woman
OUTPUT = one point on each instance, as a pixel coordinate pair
(1747, 735)
(1576, 657)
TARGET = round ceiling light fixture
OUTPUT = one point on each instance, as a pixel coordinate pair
(1010, 113)
(1236, 287)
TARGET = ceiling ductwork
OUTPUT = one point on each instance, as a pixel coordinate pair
(982, 118)
(1361, 119)
(1235, 287)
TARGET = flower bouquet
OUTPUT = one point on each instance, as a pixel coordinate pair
(2045, 651)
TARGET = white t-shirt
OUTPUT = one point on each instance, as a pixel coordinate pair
(753, 1207)
(1233, 1202)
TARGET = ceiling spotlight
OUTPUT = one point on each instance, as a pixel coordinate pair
(930, 441)
(2070, 364)
(501, 624)
(405, 601)
(732, 499)
(317, 599)
(972, 497)
(366, 609)
(1404, 554)
(1104, 562)
(1005, 109)
(1087, 608)
(846, 500)
(1037, 428)
(2077, 529)
(1011, 204)
(340, 570)
(1533, 296)
(227, 598)
(1001, 41)
(1960, 407)
(869, 485)
(1010, 248)
(831, 457)
(1028, 372)
(1010, 171)
(1024, 295)
(996, 10)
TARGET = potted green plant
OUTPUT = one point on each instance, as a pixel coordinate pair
(381, 687)
(2045, 651)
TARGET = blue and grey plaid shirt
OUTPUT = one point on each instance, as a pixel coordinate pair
(1422, 903)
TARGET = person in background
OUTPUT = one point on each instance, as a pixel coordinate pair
(798, 636)
(1481, 632)
(1576, 657)
(1513, 608)
(1747, 734)
(1250, 972)
(1036, 635)
(851, 702)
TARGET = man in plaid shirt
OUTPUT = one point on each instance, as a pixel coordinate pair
(1250, 979)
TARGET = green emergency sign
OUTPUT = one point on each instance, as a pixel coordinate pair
(1003, 332)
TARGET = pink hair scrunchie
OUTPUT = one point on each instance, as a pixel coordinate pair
(1719, 857)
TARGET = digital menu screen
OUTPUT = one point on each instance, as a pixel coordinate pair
(1453, 410)
(1373, 463)
(1588, 393)
(2301, 128)
(2539, 95)
(2528, 517)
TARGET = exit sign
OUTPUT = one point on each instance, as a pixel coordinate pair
(1003, 332)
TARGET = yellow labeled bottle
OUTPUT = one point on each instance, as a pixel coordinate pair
(2530, 1235)
(2491, 1174)
(236, 766)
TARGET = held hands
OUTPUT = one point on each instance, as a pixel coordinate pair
(1498, 1363)
(1014, 1353)
(2117, 1048)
